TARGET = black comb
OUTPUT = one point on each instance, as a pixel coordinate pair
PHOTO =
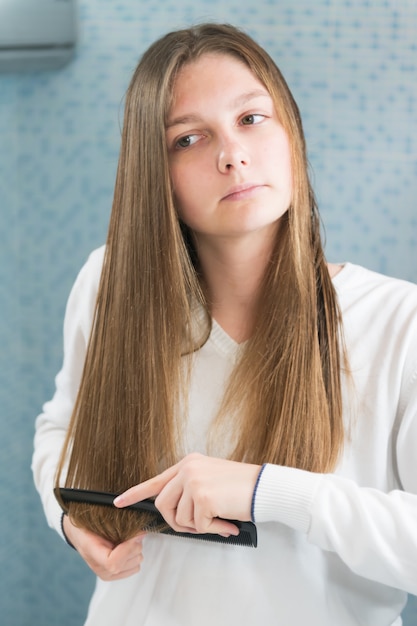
(247, 530)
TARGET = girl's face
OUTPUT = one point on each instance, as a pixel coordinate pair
(229, 155)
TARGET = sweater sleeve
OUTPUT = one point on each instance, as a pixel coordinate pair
(52, 424)
(373, 532)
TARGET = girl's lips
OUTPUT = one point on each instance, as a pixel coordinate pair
(241, 191)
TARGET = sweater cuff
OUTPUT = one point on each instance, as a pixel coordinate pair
(64, 534)
(55, 515)
(285, 495)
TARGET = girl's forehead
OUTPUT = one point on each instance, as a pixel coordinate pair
(219, 61)
(213, 74)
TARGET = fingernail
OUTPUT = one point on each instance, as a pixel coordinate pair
(118, 500)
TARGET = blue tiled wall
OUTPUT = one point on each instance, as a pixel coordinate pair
(352, 66)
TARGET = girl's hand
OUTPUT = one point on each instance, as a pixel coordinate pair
(107, 561)
(198, 490)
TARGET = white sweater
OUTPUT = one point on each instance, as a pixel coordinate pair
(333, 550)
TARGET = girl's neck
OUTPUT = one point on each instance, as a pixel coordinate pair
(233, 272)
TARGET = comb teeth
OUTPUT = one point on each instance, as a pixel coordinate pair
(247, 537)
(247, 530)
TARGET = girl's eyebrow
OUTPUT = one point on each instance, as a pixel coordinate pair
(192, 118)
(184, 119)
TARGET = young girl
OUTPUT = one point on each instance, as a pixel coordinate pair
(215, 361)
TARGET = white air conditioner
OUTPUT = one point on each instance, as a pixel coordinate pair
(36, 34)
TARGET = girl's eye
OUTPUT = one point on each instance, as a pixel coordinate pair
(186, 141)
(252, 118)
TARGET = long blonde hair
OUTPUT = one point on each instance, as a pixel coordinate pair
(286, 387)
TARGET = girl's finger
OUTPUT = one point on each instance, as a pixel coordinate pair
(176, 507)
(147, 489)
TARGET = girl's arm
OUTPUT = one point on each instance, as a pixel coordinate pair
(374, 533)
(51, 425)
(107, 561)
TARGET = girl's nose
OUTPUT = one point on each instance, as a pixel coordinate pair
(232, 155)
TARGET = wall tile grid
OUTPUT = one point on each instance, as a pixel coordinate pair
(353, 70)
